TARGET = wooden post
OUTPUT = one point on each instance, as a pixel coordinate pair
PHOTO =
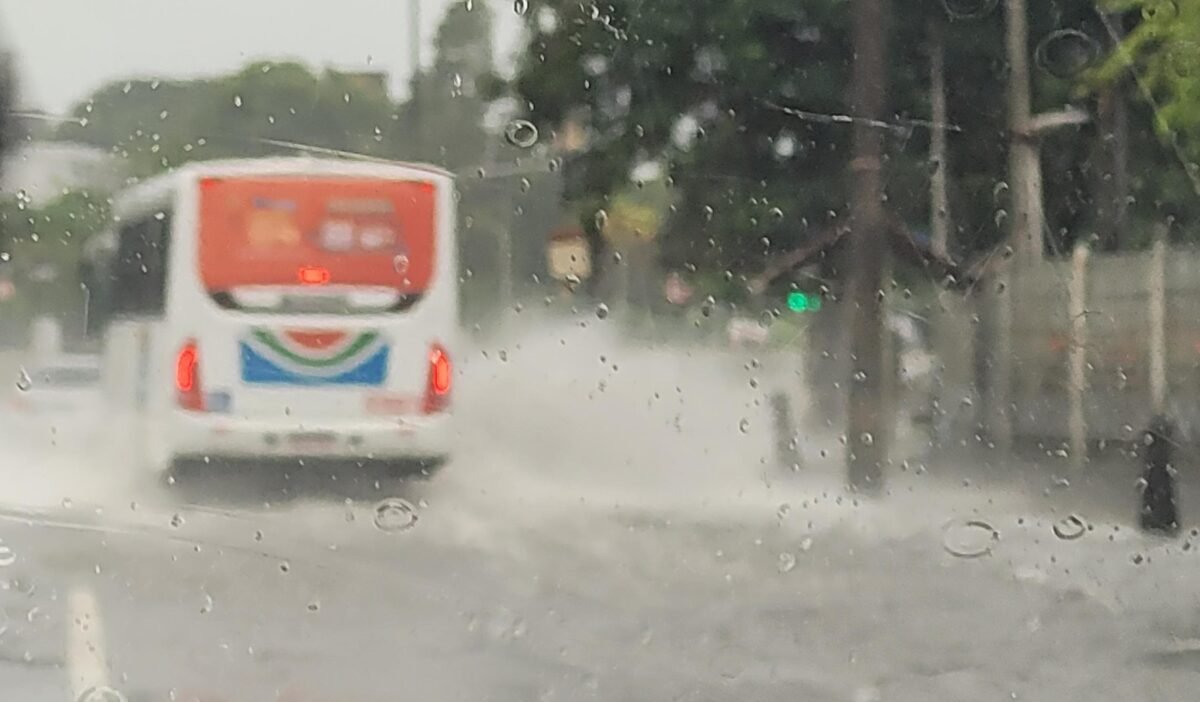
(1077, 355)
(954, 348)
(1158, 317)
(997, 417)
(888, 382)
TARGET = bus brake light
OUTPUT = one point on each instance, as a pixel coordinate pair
(314, 275)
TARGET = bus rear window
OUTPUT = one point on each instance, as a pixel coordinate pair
(309, 238)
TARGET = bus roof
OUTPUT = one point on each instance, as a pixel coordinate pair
(156, 192)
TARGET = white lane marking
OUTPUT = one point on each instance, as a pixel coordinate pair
(87, 664)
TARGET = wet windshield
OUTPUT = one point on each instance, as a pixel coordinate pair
(555, 350)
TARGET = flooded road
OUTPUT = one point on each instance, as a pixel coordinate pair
(615, 527)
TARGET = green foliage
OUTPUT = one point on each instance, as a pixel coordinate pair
(1164, 50)
(442, 124)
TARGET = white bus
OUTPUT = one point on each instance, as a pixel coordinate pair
(279, 308)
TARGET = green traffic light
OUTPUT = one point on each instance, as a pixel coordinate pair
(798, 301)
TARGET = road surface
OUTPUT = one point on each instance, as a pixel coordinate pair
(613, 529)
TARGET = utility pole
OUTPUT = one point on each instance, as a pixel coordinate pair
(414, 40)
(868, 244)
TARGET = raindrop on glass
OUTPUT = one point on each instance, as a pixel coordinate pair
(101, 693)
(601, 220)
(602, 311)
(400, 263)
(1066, 53)
(7, 556)
(867, 439)
(521, 133)
(520, 6)
(969, 9)
(969, 538)
(395, 514)
(1160, 10)
(775, 214)
(786, 563)
(237, 100)
(744, 425)
(24, 382)
(860, 376)
(1070, 527)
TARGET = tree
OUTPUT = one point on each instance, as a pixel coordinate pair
(266, 108)
(442, 123)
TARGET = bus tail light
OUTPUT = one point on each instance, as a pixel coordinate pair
(313, 275)
(437, 390)
(187, 378)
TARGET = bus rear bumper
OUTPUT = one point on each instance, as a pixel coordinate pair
(197, 435)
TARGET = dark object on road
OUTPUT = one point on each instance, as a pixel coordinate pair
(787, 452)
(1158, 507)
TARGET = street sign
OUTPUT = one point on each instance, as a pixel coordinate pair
(628, 222)
(569, 257)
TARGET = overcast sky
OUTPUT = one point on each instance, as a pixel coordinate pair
(67, 48)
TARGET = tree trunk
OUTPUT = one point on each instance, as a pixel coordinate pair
(938, 198)
(1111, 168)
(1120, 161)
(1112, 116)
(868, 240)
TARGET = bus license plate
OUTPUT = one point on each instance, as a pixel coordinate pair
(313, 440)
